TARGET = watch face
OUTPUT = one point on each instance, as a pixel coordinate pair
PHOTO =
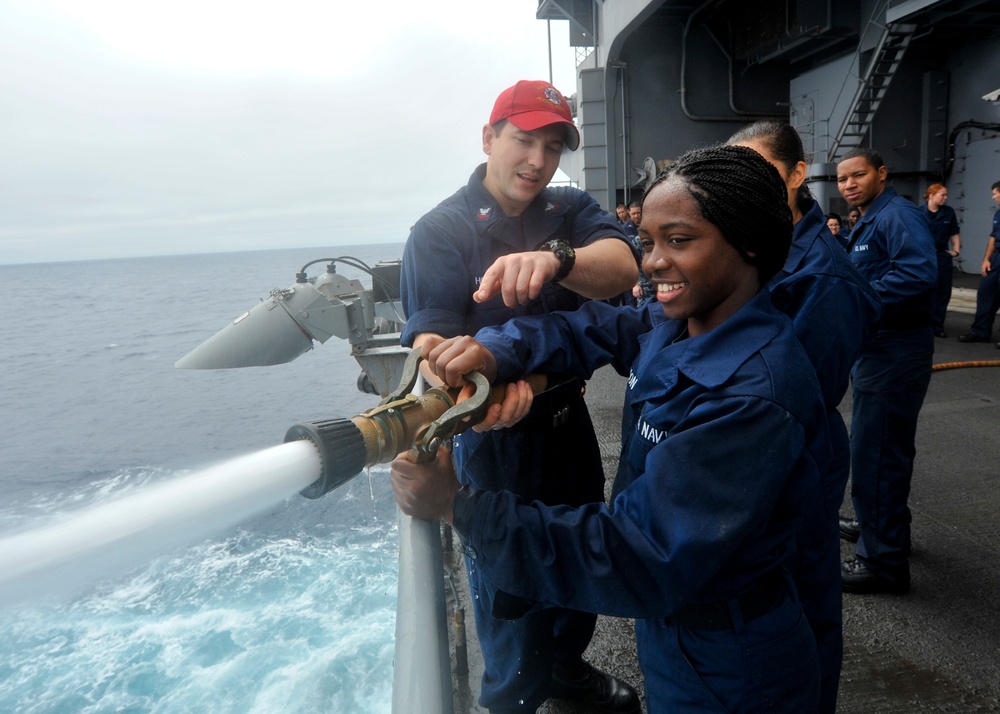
(560, 248)
(567, 257)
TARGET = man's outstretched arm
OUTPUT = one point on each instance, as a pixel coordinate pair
(601, 270)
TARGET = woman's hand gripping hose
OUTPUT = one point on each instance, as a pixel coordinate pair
(405, 422)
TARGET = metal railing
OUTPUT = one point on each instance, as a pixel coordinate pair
(421, 676)
(421, 673)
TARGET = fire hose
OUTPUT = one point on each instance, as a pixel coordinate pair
(962, 365)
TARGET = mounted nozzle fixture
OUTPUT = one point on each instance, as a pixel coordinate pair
(400, 422)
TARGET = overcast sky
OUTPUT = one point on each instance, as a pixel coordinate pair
(148, 127)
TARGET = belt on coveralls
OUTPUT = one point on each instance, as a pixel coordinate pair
(550, 409)
(760, 599)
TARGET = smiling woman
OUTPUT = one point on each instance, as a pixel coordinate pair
(686, 547)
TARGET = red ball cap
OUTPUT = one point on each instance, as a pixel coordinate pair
(530, 105)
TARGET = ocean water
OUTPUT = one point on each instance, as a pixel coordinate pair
(290, 609)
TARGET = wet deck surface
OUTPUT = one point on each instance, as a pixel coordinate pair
(936, 649)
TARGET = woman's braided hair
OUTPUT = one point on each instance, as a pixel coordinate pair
(744, 196)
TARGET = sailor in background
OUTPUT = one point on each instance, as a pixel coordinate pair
(844, 235)
(834, 223)
(833, 309)
(948, 243)
(506, 246)
(892, 247)
(724, 441)
(642, 291)
(988, 293)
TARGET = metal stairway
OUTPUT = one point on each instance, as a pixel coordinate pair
(874, 83)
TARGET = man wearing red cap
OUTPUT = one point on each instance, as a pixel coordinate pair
(506, 245)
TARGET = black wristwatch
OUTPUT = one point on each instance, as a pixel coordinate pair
(564, 251)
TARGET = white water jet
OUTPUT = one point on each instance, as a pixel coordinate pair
(74, 550)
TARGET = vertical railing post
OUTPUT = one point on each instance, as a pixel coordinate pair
(421, 679)
(421, 675)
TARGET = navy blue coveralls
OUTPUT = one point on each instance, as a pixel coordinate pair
(833, 310)
(988, 293)
(943, 225)
(727, 439)
(892, 248)
(552, 455)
